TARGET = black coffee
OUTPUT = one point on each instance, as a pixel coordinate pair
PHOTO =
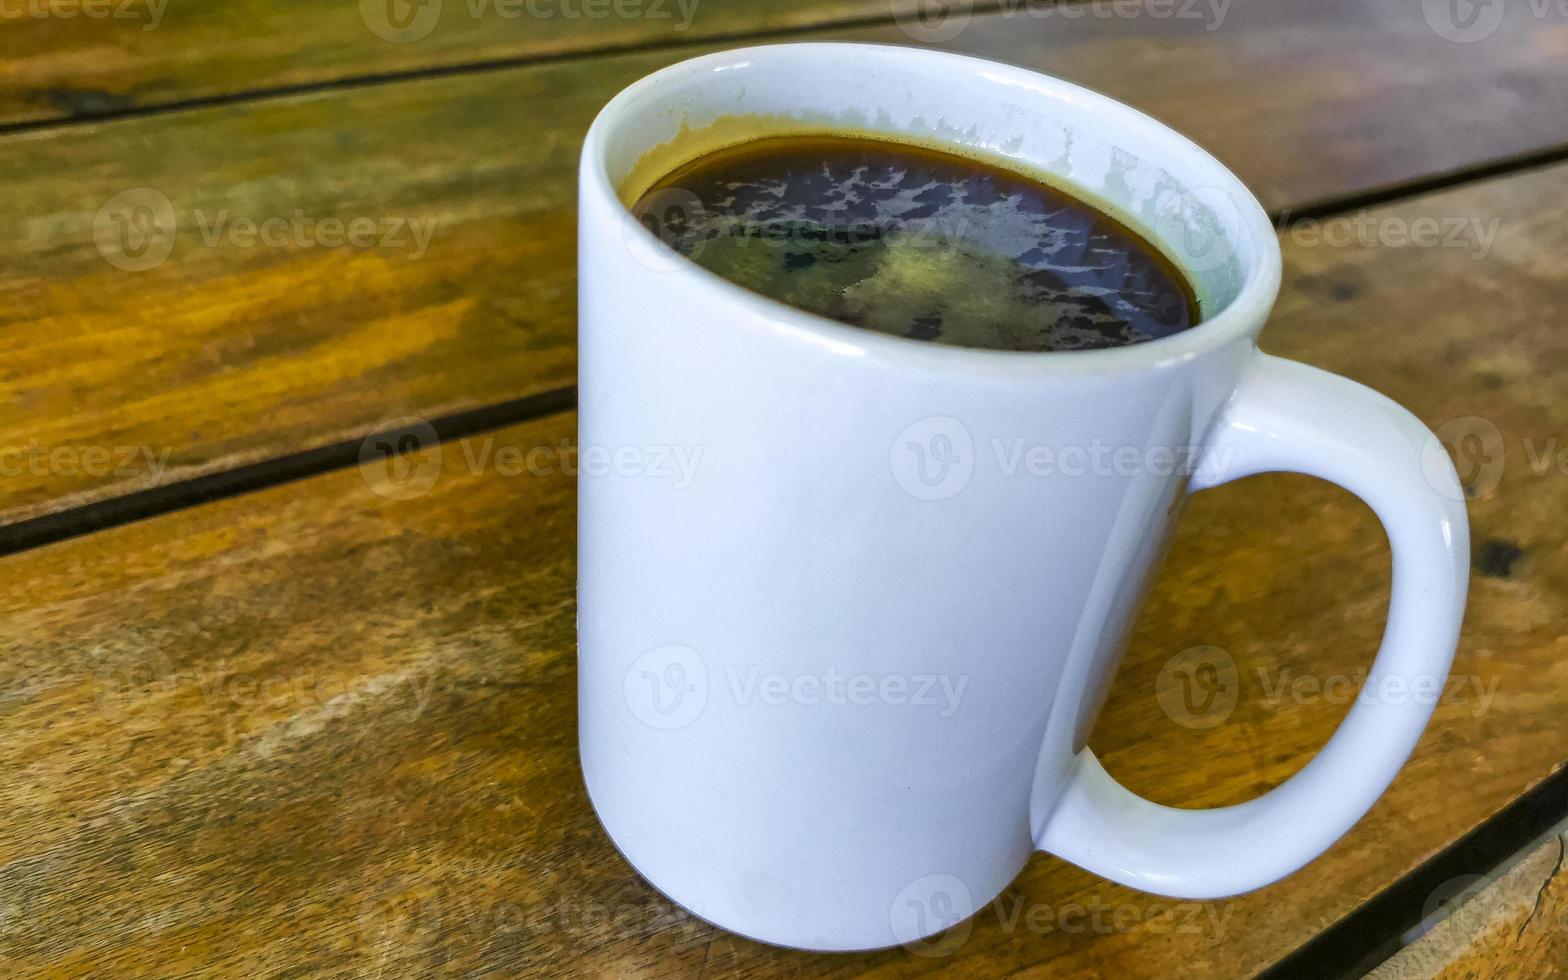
(919, 243)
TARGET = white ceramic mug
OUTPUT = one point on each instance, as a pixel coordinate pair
(842, 636)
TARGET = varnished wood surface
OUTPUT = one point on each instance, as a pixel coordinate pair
(233, 351)
(1515, 925)
(320, 729)
(141, 54)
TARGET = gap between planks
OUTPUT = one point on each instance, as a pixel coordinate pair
(370, 79)
(143, 504)
(1373, 932)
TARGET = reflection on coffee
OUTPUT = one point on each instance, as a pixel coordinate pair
(919, 243)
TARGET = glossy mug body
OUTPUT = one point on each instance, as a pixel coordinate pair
(840, 652)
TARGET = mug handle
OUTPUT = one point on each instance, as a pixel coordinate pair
(1290, 417)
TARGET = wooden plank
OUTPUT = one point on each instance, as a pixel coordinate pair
(325, 728)
(232, 350)
(67, 60)
(1515, 925)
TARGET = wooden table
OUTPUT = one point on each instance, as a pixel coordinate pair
(267, 709)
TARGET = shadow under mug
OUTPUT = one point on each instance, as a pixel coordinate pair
(836, 670)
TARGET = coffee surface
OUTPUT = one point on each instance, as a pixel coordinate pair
(919, 243)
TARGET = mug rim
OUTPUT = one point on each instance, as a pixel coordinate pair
(1243, 316)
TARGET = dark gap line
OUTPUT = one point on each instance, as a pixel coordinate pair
(104, 514)
(1419, 186)
(370, 79)
(1357, 942)
(1372, 933)
(155, 501)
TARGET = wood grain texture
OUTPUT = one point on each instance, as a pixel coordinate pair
(324, 729)
(1515, 925)
(66, 60)
(233, 350)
